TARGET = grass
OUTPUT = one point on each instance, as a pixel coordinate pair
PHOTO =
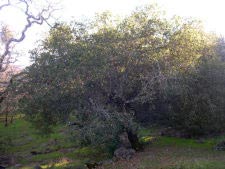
(159, 153)
(174, 153)
(199, 165)
(53, 151)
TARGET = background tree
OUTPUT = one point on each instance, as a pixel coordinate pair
(9, 97)
(8, 40)
(31, 18)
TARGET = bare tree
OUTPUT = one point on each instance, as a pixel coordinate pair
(33, 16)
(42, 16)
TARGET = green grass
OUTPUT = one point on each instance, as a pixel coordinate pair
(160, 152)
(52, 149)
(147, 135)
(199, 165)
(174, 153)
(180, 142)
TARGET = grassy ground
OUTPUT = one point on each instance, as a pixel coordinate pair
(57, 151)
(174, 153)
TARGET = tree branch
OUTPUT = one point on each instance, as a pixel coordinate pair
(4, 5)
(31, 19)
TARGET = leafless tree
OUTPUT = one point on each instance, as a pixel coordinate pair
(33, 16)
(42, 16)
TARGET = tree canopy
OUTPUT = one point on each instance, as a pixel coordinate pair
(109, 75)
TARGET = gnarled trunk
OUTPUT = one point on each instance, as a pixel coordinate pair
(133, 138)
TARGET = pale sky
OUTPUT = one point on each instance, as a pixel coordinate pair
(211, 12)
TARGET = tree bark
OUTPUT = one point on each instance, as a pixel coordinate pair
(6, 119)
(133, 138)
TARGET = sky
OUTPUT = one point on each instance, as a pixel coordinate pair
(211, 12)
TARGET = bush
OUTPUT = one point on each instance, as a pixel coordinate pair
(197, 100)
(101, 128)
(5, 144)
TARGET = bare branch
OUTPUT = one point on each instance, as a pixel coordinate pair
(4, 5)
(31, 19)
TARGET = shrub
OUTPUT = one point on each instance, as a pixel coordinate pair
(197, 100)
(5, 144)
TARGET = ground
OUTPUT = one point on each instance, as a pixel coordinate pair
(57, 151)
(29, 148)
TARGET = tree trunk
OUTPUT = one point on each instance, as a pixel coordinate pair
(6, 119)
(133, 138)
(11, 120)
(6, 114)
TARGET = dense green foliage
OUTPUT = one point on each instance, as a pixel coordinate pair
(199, 97)
(109, 75)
